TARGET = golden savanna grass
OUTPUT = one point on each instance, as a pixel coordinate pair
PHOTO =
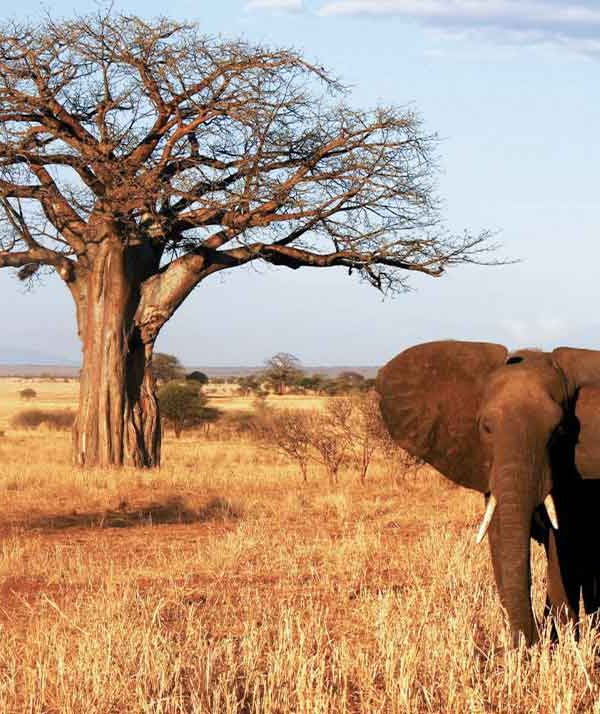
(221, 583)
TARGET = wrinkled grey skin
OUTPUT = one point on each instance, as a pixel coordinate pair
(519, 427)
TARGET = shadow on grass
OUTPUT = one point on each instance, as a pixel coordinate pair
(174, 510)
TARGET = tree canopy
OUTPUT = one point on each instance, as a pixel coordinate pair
(217, 153)
(166, 367)
(138, 158)
(282, 370)
(182, 405)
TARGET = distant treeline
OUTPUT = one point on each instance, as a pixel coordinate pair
(282, 373)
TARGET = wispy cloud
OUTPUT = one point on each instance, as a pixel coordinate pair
(280, 5)
(575, 26)
(540, 331)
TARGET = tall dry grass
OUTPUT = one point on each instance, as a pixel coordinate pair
(221, 583)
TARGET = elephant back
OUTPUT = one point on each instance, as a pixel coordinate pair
(430, 397)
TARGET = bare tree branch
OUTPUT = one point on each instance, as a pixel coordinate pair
(150, 133)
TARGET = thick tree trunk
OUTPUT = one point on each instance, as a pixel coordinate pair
(118, 421)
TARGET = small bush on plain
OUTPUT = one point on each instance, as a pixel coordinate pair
(182, 405)
(28, 393)
(348, 432)
(59, 419)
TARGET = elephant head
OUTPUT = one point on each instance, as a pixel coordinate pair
(523, 429)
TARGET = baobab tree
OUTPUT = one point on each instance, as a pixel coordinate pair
(282, 370)
(139, 158)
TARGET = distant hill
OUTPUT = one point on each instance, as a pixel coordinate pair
(36, 369)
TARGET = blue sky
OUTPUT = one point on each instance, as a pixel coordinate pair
(510, 87)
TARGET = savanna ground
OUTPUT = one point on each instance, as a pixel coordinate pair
(222, 583)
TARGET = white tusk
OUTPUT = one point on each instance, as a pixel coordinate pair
(487, 518)
(551, 511)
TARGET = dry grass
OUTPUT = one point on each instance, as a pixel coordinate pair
(62, 394)
(52, 394)
(221, 584)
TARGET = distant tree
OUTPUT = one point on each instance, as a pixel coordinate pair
(198, 377)
(139, 158)
(312, 382)
(182, 405)
(166, 367)
(331, 387)
(350, 381)
(249, 384)
(28, 393)
(282, 371)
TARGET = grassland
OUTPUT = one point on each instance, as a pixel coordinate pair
(221, 583)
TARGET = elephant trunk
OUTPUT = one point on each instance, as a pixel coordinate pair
(509, 537)
(518, 489)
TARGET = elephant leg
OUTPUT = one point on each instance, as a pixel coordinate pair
(591, 594)
(588, 537)
(562, 600)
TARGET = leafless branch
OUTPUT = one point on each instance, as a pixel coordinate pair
(214, 153)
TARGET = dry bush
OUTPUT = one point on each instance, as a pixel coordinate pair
(291, 432)
(398, 463)
(330, 436)
(183, 405)
(57, 419)
(308, 435)
(362, 427)
(232, 425)
(349, 431)
(28, 393)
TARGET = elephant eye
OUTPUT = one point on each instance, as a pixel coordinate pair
(515, 359)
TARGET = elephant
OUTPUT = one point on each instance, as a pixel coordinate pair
(522, 428)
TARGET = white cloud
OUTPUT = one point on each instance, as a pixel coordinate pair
(281, 5)
(542, 331)
(574, 26)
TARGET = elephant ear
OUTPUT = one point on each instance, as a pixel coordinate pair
(582, 373)
(430, 398)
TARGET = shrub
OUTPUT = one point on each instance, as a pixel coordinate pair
(398, 462)
(290, 432)
(182, 405)
(306, 436)
(59, 419)
(313, 383)
(198, 377)
(250, 384)
(330, 437)
(208, 417)
(166, 367)
(362, 427)
(28, 393)
(349, 431)
(237, 425)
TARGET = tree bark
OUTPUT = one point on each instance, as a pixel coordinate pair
(118, 422)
